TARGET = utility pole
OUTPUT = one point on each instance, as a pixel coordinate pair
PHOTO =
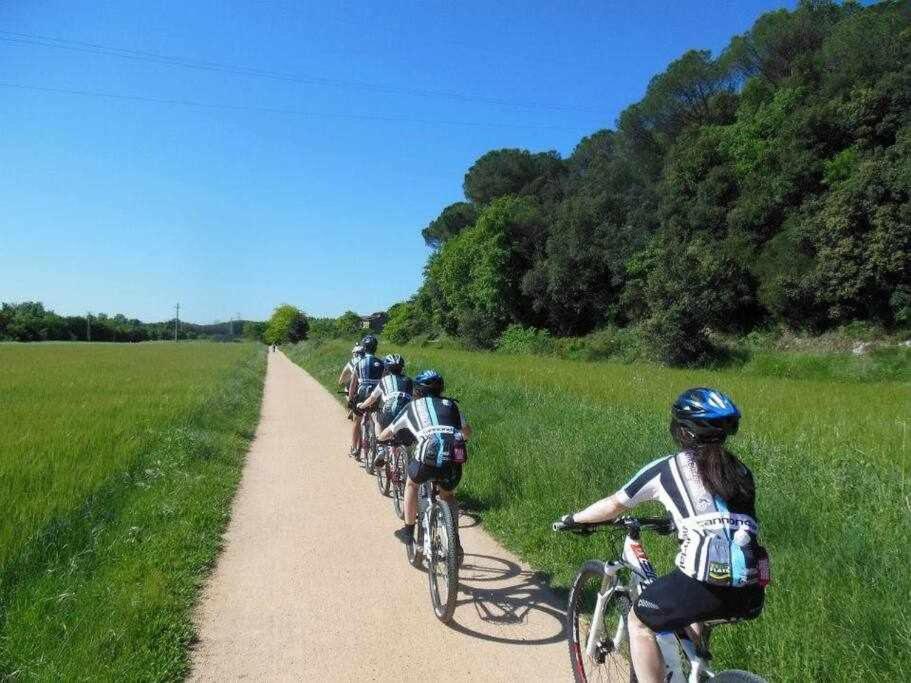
(88, 326)
(176, 320)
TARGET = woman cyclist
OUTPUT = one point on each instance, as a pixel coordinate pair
(711, 497)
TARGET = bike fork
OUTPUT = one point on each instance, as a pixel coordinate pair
(608, 586)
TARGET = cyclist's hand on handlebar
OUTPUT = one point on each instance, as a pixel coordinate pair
(565, 523)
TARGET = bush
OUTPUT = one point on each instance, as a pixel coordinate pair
(518, 339)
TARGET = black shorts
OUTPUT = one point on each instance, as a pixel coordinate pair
(677, 600)
(448, 476)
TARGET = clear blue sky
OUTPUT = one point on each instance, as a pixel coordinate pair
(128, 206)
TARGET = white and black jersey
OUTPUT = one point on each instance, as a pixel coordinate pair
(368, 371)
(434, 422)
(717, 542)
(393, 392)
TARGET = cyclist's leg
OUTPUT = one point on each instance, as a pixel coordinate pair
(448, 481)
(417, 475)
(647, 661)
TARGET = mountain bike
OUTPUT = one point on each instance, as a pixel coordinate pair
(435, 546)
(599, 603)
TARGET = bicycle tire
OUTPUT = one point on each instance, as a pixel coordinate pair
(738, 676)
(369, 446)
(383, 478)
(615, 664)
(443, 563)
(414, 551)
(399, 476)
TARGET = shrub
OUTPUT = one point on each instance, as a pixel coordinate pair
(518, 339)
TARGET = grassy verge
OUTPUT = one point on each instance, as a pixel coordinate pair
(831, 461)
(118, 467)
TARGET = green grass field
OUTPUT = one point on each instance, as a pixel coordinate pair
(117, 468)
(831, 460)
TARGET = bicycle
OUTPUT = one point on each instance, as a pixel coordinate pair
(435, 547)
(598, 608)
(368, 443)
(384, 474)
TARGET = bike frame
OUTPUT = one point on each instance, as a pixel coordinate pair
(635, 560)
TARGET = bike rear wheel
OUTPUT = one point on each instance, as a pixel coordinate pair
(399, 475)
(443, 563)
(384, 478)
(612, 661)
(368, 445)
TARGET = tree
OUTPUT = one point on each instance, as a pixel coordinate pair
(513, 171)
(287, 325)
(453, 219)
(255, 331)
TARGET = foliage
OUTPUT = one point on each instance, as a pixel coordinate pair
(774, 175)
(287, 325)
(554, 435)
(254, 331)
(518, 339)
(114, 507)
(30, 321)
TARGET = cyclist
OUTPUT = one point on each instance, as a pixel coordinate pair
(356, 354)
(392, 393)
(711, 496)
(365, 376)
(435, 422)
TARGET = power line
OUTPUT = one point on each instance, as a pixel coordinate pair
(276, 110)
(16, 38)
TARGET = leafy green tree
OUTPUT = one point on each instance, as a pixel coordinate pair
(255, 331)
(511, 172)
(287, 325)
(453, 219)
(349, 324)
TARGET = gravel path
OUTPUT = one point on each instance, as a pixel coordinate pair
(312, 586)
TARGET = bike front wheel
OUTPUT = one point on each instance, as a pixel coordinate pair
(611, 661)
(443, 563)
(368, 445)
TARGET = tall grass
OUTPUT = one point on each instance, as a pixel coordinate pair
(117, 468)
(831, 460)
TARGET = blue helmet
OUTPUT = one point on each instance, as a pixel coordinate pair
(429, 382)
(706, 414)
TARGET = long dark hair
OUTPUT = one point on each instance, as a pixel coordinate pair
(722, 474)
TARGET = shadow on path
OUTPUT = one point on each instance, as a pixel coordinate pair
(501, 595)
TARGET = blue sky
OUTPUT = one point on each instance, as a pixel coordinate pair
(310, 188)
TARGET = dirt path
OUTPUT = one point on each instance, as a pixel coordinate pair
(313, 586)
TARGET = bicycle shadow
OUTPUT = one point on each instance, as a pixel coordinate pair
(503, 599)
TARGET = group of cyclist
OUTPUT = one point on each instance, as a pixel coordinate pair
(414, 410)
(721, 569)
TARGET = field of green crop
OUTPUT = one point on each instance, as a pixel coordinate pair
(117, 468)
(831, 460)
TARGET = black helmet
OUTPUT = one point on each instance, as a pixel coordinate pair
(704, 415)
(369, 343)
(429, 382)
(394, 363)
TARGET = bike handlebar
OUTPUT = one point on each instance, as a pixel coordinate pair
(660, 525)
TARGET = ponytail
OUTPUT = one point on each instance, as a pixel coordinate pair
(723, 475)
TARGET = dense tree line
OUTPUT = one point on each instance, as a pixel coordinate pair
(769, 185)
(31, 321)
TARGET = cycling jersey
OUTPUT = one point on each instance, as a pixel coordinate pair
(433, 421)
(394, 393)
(717, 543)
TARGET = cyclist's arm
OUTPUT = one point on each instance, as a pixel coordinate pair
(645, 485)
(346, 374)
(604, 510)
(398, 424)
(373, 398)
